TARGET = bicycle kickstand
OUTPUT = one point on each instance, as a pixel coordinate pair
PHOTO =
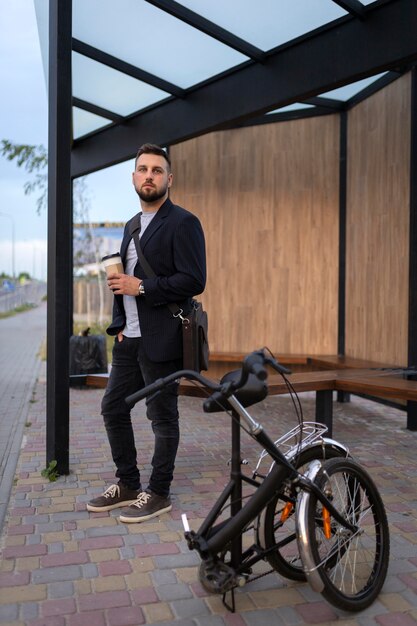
(231, 608)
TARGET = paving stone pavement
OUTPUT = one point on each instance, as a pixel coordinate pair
(63, 566)
(21, 337)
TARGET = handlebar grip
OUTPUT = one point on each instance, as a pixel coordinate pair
(146, 391)
(259, 371)
(254, 364)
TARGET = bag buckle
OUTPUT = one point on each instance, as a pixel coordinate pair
(184, 320)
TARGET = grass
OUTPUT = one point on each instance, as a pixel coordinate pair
(19, 309)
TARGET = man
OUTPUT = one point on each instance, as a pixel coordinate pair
(148, 342)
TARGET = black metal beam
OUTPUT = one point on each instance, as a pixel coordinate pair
(93, 108)
(327, 103)
(378, 84)
(342, 232)
(344, 53)
(59, 235)
(354, 7)
(284, 116)
(126, 68)
(209, 28)
(412, 289)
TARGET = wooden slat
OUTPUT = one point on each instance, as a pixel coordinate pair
(383, 386)
(267, 197)
(377, 240)
(237, 357)
(344, 362)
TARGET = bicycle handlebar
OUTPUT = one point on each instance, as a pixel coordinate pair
(160, 383)
(254, 363)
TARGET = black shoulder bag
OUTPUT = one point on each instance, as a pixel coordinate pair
(195, 344)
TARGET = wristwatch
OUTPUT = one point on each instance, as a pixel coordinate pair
(141, 291)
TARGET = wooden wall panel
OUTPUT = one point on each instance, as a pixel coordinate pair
(378, 225)
(267, 197)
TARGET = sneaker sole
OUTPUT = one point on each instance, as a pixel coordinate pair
(143, 518)
(110, 507)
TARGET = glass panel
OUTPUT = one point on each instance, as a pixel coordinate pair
(152, 40)
(267, 23)
(296, 106)
(348, 91)
(85, 122)
(110, 89)
(42, 20)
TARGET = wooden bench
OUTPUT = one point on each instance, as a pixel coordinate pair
(323, 382)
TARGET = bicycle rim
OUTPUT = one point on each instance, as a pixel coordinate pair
(352, 565)
(277, 525)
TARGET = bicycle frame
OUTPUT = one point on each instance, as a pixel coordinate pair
(211, 539)
(225, 565)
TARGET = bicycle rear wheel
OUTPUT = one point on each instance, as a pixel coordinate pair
(277, 522)
(350, 567)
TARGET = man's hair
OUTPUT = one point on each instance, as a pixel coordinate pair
(151, 148)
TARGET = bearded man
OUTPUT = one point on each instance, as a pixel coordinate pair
(148, 338)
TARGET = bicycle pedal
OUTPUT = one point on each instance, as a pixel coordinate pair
(185, 523)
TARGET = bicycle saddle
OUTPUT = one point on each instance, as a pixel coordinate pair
(252, 392)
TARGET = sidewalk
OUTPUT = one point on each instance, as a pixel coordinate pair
(21, 337)
(62, 566)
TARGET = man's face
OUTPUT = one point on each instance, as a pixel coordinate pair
(151, 178)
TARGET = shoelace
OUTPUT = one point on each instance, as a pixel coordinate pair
(112, 491)
(142, 500)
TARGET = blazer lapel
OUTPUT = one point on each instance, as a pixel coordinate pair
(132, 226)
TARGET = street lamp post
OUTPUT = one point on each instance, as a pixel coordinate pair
(13, 242)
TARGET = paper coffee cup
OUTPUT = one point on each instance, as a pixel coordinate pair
(113, 264)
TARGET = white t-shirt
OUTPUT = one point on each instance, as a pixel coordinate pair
(132, 328)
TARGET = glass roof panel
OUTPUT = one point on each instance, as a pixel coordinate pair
(267, 23)
(85, 122)
(154, 41)
(348, 91)
(110, 89)
(296, 106)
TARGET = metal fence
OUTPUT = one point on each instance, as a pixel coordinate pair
(30, 293)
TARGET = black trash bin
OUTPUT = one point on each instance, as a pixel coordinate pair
(88, 354)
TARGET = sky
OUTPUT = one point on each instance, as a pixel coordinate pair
(24, 119)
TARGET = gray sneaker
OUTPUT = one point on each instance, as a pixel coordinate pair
(114, 497)
(147, 505)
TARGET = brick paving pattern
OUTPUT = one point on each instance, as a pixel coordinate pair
(20, 340)
(63, 566)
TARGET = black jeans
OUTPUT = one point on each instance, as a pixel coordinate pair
(132, 370)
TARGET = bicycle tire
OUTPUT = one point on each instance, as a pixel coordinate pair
(354, 579)
(272, 530)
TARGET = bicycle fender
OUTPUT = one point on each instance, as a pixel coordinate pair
(301, 523)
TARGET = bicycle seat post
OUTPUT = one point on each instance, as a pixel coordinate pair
(236, 496)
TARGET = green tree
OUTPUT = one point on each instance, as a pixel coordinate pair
(34, 159)
(24, 276)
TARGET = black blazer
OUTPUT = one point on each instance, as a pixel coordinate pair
(173, 244)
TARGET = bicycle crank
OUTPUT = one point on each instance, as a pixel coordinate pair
(217, 577)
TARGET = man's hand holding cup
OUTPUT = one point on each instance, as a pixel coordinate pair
(119, 283)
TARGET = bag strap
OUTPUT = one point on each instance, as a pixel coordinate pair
(174, 308)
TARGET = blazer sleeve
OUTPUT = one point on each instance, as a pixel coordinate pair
(188, 278)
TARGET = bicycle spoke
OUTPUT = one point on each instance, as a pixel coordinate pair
(351, 564)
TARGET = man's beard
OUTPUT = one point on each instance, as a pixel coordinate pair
(151, 195)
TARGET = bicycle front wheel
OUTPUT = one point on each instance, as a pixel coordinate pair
(352, 565)
(276, 527)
